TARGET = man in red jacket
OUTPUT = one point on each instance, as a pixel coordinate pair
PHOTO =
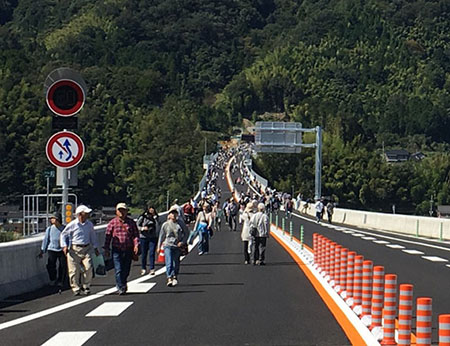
(124, 234)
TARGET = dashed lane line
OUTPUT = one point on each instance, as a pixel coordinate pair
(435, 259)
(109, 309)
(69, 339)
(369, 238)
(381, 242)
(414, 252)
(395, 246)
(357, 235)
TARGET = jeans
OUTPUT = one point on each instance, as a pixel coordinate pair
(203, 244)
(122, 264)
(60, 275)
(172, 258)
(148, 245)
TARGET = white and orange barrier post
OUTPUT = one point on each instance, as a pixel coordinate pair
(357, 284)
(423, 321)
(332, 261)
(377, 297)
(337, 266)
(366, 300)
(350, 272)
(444, 330)
(390, 307)
(327, 257)
(315, 235)
(343, 271)
(405, 302)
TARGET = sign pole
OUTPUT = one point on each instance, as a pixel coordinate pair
(48, 192)
(65, 192)
(318, 176)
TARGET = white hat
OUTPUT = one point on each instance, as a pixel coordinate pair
(174, 208)
(121, 206)
(82, 208)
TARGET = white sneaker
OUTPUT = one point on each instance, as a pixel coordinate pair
(169, 282)
(174, 282)
(152, 272)
(143, 272)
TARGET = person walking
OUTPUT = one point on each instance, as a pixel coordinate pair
(245, 218)
(123, 233)
(171, 239)
(202, 226)
(260, 221)
(330, 211)
(77, 240)
(232, 213)
(148, 224)
(319, 210)
(51, 245)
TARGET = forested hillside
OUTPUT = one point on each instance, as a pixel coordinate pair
(163, 75)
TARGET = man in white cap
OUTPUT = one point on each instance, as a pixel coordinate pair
(260, 221)
(77, 241)
(123, 233)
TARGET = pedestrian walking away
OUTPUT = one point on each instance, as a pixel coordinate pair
(232, 214)
(148, 225)
(171, 238)
(260, 221)
(245, 233)
(77, 240)
(123, 233)
(330, 211)
(52, 246)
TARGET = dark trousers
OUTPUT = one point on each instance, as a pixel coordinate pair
(260, 249)
(246, 254)
(232, 222)
(148, 247)
(57, 274)
(122, 264)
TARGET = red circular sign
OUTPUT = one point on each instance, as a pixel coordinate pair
(65, 149)
(65, 97)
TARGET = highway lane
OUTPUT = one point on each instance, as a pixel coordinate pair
(219, 301)
(422, 262)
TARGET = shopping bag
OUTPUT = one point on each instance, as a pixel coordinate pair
(99, 265)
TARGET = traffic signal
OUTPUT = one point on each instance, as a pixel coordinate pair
(68, 212)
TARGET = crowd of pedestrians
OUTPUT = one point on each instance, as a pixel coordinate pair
(70, 248)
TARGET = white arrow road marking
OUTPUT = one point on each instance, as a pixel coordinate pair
(69, 339)
(110, 309)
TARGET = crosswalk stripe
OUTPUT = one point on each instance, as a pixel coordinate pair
(109, 309)
(69, 339)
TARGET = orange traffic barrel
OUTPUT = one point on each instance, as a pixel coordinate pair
(377, 296)
(444, 330)
(423, 321)
(390, 308)
(405, 302)
(366, 300)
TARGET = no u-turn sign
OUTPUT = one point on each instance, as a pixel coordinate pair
(65, 149)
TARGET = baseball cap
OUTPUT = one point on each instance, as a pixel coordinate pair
(121, 206)
(82, 209)
(54, 216)
(173, 208)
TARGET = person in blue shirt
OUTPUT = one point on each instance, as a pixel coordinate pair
(51, 245)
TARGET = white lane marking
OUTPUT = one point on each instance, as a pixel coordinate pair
(435, 259)
(413, 252)
(395, 246)
(447, 265)
(382, 242)
(348, 232)
(391, 238)
(83, 300)
(369, 238)
(357, 235)
(69, 339)
(140, 288)
(110, 309)
(305, 257)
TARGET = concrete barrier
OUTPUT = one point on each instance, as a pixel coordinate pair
(21, 270)
(420, 226)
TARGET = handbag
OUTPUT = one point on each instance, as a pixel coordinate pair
(253, 231)
(184, 250)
